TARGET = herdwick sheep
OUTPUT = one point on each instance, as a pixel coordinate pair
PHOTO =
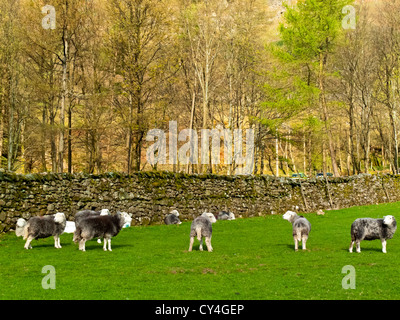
(301, 228)
(80, 215)
(172, 218)
(41, 227)
(371, 229)
(201, 227)
(224, 215)
(95, 226)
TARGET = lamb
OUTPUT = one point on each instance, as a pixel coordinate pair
(104, 227)
(202, 228)
(224, 215)
(371, 229)
(172, 218)
(301, 228)
(41, 227)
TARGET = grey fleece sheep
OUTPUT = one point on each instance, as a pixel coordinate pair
(172, 218)
(371, 229)
(225, 215)
(201, 227)
(99, 226)
(301, 228)
(41, 227)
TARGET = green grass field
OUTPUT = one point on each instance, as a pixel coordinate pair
(253, 258)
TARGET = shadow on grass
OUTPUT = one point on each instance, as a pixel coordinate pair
(363, 249)
(98, 246)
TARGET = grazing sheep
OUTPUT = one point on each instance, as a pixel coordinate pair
(99, 226)
(301, 228)
(201, 227)
(224, 215)
(41, 227)
(172, 218)
(371, 229)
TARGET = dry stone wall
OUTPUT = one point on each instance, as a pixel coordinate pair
(149, 196)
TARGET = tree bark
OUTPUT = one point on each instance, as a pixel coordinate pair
(322, 63)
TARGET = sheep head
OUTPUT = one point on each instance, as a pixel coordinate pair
(389, 220)
(210, 216)
(175, 212)
(59, 217)
(289, 216)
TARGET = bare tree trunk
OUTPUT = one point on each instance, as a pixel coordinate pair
(326, 116)
(64, 95)
(43, 142)
(276, 157)
(191, 119)
(130, 135)
(392, 115)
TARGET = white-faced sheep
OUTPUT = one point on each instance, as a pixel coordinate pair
(41, 227)
(80, 215)
(225, 215)
(99, 226)
(371, 229)
(202, 228)
(301, 228)
(172, 218)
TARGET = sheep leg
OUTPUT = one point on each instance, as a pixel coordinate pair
(383, 245)
(82, 245)
(109, 244)
(351, 246)
(208, 243)
(57, 242)
(201, 244)
(28, 242)
(105, 244)
(303, 242)
(296, 243)
(358, 248)
(191, 243)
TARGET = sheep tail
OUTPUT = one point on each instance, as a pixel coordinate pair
(198, 232)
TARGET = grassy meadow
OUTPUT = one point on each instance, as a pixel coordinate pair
(253, 258)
